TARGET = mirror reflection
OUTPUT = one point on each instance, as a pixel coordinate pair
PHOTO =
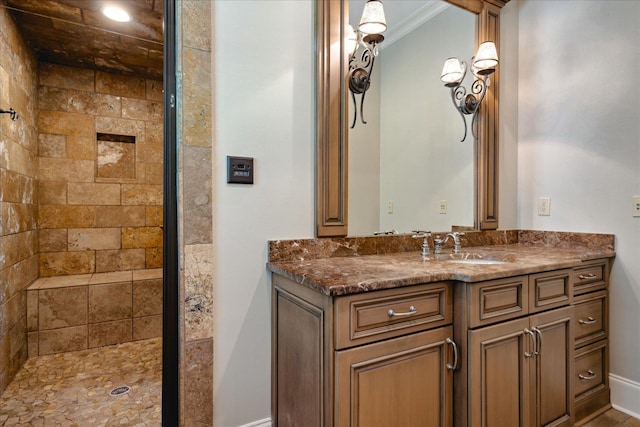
(407, 167)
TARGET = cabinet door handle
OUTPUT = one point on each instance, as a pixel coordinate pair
(591, 375)
(590, 320)
(538, 347)
(411, 312)
(588, 276)
(533, 339)
(455, 355)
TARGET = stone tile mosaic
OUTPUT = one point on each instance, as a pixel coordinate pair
(72, 389)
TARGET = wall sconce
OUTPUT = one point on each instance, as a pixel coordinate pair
(13, 115)
(482, 65)
(369, 35)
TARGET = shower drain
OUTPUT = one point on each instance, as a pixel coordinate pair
(118, 391)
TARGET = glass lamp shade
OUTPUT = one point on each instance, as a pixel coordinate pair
(373, 20)
(452, 72)
(486, 59)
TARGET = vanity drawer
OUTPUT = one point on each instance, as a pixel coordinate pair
(590, 369)
(590, 321)
(378, 315)
(549, 290)
(591, 277)
(498, 300)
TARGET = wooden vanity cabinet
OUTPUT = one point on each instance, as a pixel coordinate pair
(530, 350)
(516, 337)
(591, 377)
(348, 361)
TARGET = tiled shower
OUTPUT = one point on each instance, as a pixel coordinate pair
(80, 207)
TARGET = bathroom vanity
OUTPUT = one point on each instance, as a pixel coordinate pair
(367, 332)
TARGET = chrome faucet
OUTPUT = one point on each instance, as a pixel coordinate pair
(456, 240)
(439, 243)
(424, 235)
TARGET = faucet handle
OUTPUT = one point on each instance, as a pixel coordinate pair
(424, 235)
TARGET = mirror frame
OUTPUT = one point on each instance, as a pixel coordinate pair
(332, 137)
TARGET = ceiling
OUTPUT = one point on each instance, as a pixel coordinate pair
(76, 33)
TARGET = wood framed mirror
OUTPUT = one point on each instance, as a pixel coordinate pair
(332, 119)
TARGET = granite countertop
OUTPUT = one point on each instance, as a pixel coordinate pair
(355, 274)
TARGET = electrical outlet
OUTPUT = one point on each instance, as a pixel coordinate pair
(443, 206)
(389, 207)
(636, 205)
(544, 206)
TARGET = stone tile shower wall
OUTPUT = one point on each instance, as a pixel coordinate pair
(18, 194)
(195, 139)
(101, 197)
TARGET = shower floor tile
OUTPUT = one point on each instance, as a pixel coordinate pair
(72, 389)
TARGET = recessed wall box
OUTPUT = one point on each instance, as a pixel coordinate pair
(239, 170)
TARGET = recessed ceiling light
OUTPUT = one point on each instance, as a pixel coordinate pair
(116, 13)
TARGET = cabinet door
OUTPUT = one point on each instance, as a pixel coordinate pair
(500, 375)
(398, 382)
(553, 362)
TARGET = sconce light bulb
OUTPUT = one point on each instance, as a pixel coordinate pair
(373, 20)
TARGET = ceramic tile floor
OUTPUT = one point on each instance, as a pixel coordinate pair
(72, 389)
(613, 418)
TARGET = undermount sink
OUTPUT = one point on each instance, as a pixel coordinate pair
(479, 261)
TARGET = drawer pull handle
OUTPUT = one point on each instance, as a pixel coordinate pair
(591, 375)
(453, 366)
(535, 347)
(411, 312)
(590, 320)
(588, 276)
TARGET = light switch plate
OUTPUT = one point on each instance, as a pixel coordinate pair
(636, 206)
(443, 207)
(239, 170)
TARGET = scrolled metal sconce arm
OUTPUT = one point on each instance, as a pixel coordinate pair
(12, 113)
(454, 71)
(360, 70)
(469, 103)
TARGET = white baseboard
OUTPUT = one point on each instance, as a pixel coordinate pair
(260, 423)
(625, 395)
